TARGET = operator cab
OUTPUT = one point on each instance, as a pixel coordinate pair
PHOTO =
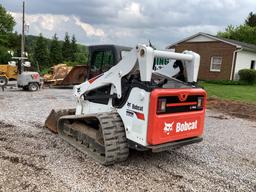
(103, 57)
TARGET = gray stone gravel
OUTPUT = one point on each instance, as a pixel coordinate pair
(34, 159)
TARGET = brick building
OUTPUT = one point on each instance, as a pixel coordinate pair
(221, 58)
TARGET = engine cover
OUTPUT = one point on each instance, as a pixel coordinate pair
(182, 118)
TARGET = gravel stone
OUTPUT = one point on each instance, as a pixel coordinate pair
(34, 159)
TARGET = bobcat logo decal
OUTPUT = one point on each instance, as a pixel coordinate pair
(168, 127)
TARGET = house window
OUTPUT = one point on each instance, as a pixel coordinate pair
(216, 64)
(253, 64)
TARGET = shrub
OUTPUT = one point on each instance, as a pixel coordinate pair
(71, 63)
(247, 75)
(45, 71)
(226, 82)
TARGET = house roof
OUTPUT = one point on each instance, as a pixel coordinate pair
(238, 44)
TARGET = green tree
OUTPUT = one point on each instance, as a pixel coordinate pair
(6, 26)
(4, 55)
(41, 52)
(66, 48)
(55, 51)
(73, 48)
(251, 20)
(80, 58)
(82, 54)
(14, 43)
(6, 21)
(245, 32)
(242, 33)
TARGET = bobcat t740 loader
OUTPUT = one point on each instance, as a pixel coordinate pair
(131, 105)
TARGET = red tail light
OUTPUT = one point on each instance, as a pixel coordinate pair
(200, 102)
(161, 105)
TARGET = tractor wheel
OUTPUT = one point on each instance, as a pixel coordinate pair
(3, 81)
(33, 87)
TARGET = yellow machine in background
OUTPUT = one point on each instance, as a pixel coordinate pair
(7, 72)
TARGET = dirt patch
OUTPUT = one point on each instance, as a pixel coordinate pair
(171, 176)
(219, 116)
(11, 159)
(16, 160)
(3, 139)
(234, 108)
(6, 125)
(37, 125)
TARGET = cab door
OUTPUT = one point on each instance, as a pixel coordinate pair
(101, 61)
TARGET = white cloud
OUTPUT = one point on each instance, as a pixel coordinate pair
(130, 15)
(47, 22)
(130, 21)
(133, 9)
(188, 30)
(89, 29)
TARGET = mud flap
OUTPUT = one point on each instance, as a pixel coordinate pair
(52, 119)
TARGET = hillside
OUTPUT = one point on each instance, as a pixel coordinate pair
(40, 52)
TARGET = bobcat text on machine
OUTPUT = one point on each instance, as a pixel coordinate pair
(131, 105)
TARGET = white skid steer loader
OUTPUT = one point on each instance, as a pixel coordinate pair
(130, 105)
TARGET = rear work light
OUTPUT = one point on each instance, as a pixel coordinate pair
(161, 105)
(200, 102)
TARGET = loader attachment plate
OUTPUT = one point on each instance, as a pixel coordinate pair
(52, 119)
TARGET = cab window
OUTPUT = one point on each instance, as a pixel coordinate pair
(102, 61)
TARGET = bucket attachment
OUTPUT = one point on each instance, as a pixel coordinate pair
(52, 120)
(76, 76)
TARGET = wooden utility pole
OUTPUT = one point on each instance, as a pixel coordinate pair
(23, 38)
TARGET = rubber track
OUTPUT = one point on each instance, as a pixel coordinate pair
(115, 142)
(116, 146)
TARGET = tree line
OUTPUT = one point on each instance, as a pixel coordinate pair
(8, 40)
(47, 53)
(245, 32)
(42, 52)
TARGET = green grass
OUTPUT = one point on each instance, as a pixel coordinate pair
(243, 93)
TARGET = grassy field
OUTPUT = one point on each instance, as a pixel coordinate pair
(244, 93)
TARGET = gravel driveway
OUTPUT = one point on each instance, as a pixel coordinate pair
(34, 159)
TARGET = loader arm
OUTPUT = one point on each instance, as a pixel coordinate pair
(142, 58)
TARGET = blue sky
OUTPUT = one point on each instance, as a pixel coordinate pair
(128, 22)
